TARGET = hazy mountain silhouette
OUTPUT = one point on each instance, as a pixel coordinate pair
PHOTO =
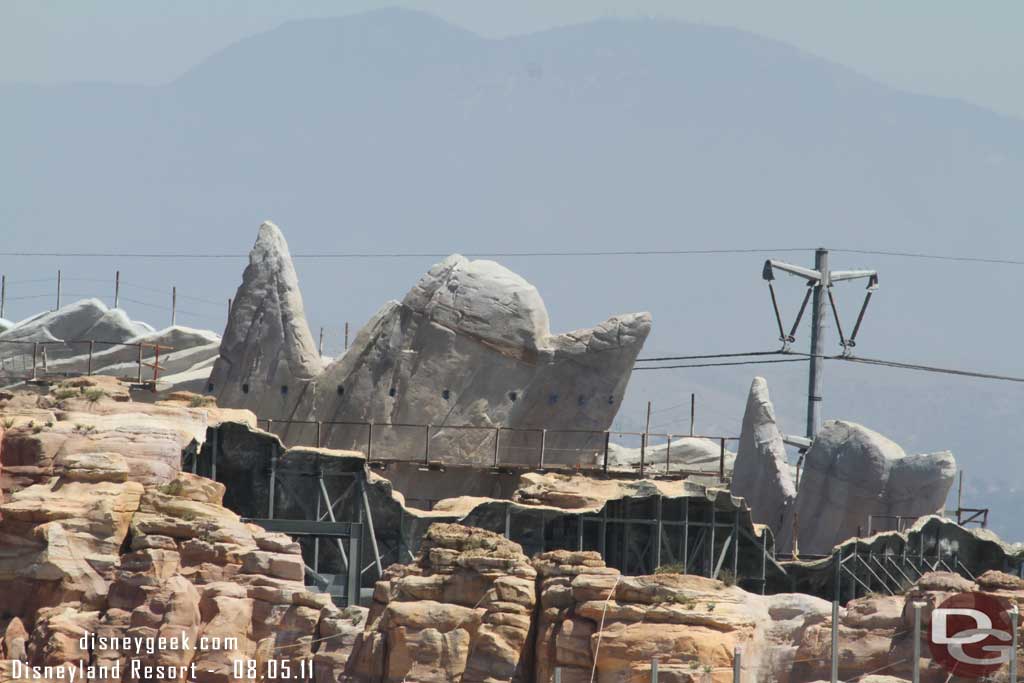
(395, 131)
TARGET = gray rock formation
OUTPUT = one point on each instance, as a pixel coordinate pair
(761, 473)
(851, 472)
(267, 355)
(470, 344)
(686, 454)
(81, 320)
(68, 330)
(187, 347)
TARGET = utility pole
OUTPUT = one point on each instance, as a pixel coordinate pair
(174, 306)
(3, 294)
(817, 342)
(117, 288)
(58, 291)
(819, 292)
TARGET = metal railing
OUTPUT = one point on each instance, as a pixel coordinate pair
(34, 366)
(497, 447)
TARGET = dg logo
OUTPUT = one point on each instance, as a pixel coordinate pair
(971, 634)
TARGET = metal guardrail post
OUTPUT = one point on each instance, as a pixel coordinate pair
(721, 459)
(1014, 617)
(543, 445)
(643, 450)
(369, 440)
(319, 434)
(917, 642)
(213, 454)
(140, 364)
(607, 442)
(835, 641)
(92, 346)
(711, 546)
(497, 441)
(273, 482)
(368, 516)
(737, 664)
(354, 562)
(426, 447)
(693, 411)
(654, 670)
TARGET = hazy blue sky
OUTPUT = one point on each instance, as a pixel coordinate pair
(949, 48)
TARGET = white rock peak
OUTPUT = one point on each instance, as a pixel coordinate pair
(267, 350)
(761, 473)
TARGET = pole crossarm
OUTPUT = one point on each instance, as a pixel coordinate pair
(841, 275)
(819, 294)
(808, 274)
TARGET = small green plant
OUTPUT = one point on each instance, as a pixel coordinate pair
(727, 577)
(35, 428)
(84, 428)
(711, 607)
(201, 401)
(64, 393)
(677, 568)
(8, 422)
(685, 601)
(95, 394)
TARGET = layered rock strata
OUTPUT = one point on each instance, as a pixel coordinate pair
(462, 612)
(102, 535)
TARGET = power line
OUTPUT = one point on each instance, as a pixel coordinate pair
(716, 365)
(709, 355)
(165, 291)
(35, 279)
(369, 255)
(926, 368)
(933, 257)
(513, 254)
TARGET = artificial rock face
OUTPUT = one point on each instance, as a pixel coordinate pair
(851, 472)
(186, 353)
(267, 355)
(101, 532)
(470, 344)
(761, 473)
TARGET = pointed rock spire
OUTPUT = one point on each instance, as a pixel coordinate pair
(761, 473)
(267, 354)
